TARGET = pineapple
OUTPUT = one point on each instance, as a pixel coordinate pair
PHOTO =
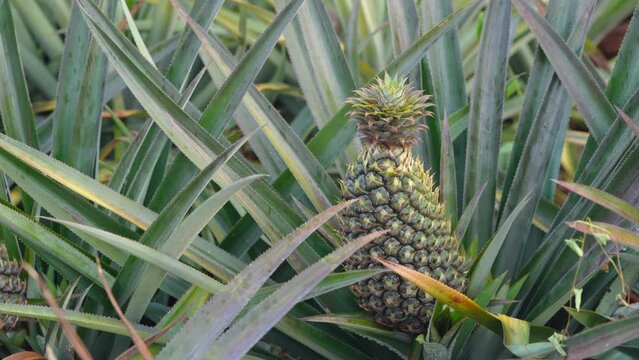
(11, 287)
(396, 194)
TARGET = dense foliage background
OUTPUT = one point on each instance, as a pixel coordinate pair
(118, 123)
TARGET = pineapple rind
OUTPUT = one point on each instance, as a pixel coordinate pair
(12, 288)
(395, 193)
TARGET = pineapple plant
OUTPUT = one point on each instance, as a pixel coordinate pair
(12, 288)
(394, 192)
(196, 149)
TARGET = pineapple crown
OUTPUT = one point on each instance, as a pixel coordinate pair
(386, 112)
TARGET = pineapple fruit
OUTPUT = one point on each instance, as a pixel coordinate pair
(11, 287)
(396, 194)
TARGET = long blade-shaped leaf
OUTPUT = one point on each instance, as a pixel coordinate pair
(487, 257)
(77, 318)
(623, 80)
(616, 233)
(66, 258)
(182, 237)
(259, 199)
(610, 202)
(308, 172)
(445, 59)
(201, 331)
(447, 295)
(160, 231)
(219, 109)
(247, 331)
(445, 72)
(146, 150)
(563, 16)
(77, 182)
(15, 106)
(147, 254)
(499, 323)
(466, 217)
(318, 61)
(228, 97)
(584, 91)
(448, 178)
(602, 338)
(486, 106)
(330, 283)
(77, 116)
(365, 326)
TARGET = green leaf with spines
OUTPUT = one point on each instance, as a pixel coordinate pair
(199, 333)
(79, 96)
(240, 337)
(15, 108)
(584, 91)
(159, 233)
(77, 318)
(259, 199)
(149, 255)
(486, 106)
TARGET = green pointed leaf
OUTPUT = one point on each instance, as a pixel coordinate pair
(330, 283)
(562, 15)
(66, 258)
(445, 59)
(467, 215)
(462, 303)
(77, 182)
(15, 105)
(487, 257)
(588, 318)
(52, 188)
(181, 238)
(599, 339)
(201, 331)
(313, 178)
(203, 12)
(448, 178)
(623, 80)
(247, 331)
(364, 325)
(139, 42)
(159, 233)
(318, 62)
(230, 94)
(77, 318)
(584, 91)
(79, 96)
(604, 199)
(532, 162)
(620, 235)
(150, 255)
(486, 106)
(259, 199)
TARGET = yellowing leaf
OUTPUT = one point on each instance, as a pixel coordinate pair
(447, 295)
(516, 331)
(601, 230)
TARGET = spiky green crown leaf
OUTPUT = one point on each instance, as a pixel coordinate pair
(387, 111)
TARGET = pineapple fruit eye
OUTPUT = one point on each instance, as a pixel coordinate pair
(396, 194)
